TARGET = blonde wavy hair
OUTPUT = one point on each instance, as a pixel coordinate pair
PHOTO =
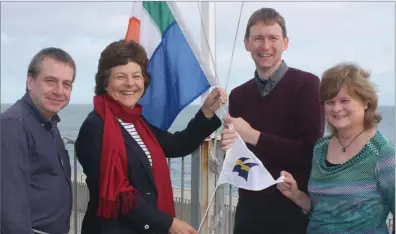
(357, 83)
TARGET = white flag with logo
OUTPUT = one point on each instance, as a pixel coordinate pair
(243, 169)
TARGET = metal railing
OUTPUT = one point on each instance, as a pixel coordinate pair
(189, 203)
(186, 191)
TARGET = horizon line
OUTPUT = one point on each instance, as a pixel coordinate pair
(192, 104)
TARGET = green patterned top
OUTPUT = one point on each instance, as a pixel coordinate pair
(357, 196)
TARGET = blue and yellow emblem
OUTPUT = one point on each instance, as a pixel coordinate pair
(243, 168)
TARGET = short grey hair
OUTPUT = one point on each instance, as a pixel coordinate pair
(53, 53)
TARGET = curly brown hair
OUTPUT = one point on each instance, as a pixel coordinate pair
(356, 81)
(120, 53)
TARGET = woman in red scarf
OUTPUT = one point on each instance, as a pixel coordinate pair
(124, 156)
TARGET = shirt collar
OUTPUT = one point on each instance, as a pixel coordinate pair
(47, 123)
(265, 86)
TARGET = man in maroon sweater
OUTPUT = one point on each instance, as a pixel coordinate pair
(279, 116)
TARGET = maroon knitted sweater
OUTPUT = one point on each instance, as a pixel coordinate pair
(290, 119)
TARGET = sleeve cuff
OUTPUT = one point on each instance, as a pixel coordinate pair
(263, 138)
(166, 223)
(214, 121)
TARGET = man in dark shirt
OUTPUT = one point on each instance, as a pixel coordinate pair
(36, 195)
(279, 115)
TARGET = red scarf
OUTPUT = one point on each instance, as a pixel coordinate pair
(114, 184)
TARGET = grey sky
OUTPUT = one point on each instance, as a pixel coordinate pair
(321, 35)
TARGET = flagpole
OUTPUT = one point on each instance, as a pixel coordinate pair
(206, 177)
(210, 164)
(207, 209)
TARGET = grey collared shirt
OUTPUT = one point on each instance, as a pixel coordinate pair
(35, 172)
(265, 86)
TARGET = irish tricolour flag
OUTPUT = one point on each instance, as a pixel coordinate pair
(178, 73)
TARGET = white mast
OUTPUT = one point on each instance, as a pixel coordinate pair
(213, 220)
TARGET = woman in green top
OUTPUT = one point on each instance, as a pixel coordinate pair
(352, 183)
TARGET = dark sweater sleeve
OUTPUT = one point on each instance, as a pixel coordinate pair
(310, 127)
(184, 142)
(88, 150)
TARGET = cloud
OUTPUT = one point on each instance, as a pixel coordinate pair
(12, 88)
(321, 35)
(4, 38)
(65, 20)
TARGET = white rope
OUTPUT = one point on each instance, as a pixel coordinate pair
(210, 51)
(39, 232)
(213, 162)
(207, 209)
(218, 217)
(228, 76)
(233, 47)
(215, 38)
(207, 43)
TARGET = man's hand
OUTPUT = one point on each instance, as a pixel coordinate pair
(228, 137)
(213, 101)
(180, 227)
(243, 128)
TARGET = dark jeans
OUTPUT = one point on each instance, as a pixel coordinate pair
(270, 218)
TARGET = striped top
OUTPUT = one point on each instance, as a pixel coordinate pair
(132, 131)
(354, 197)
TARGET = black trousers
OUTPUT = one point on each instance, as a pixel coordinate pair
(269, 218)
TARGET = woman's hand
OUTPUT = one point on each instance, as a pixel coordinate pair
(180, 227)
(289, 187)
(214, 100)
(290, 190)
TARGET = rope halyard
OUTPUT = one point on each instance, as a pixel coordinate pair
(233, 46)
(214, 164)
(207, 43)
(216, 169)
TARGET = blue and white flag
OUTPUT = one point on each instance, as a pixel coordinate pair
(243, 169)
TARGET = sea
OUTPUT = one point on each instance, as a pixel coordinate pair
(74, 114)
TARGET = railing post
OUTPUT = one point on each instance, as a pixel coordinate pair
(195, 184)
(66, 141)
(75, 195)
(219, 221)
(204, 185)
